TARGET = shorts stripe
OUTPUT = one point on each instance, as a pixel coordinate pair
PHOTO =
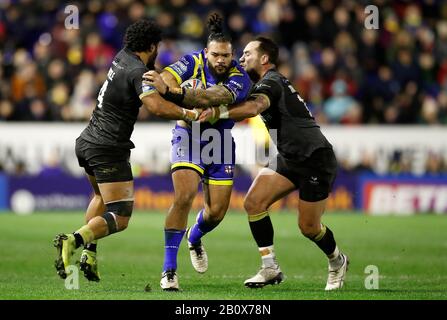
(218, 182)
(187, 164)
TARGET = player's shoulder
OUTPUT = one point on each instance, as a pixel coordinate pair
(274, 75)
(194, 56)
(128, 62)
(273, 79)
(187, 62)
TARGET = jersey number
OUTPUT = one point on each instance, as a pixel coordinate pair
(299, 98)
(102, 92)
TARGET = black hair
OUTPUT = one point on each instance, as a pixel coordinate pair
(214, 25)
(141, 35)
(268, 47)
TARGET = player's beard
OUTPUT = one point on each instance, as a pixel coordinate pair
(151, 65)
(219, 76)
(151, 61)
(254, 76)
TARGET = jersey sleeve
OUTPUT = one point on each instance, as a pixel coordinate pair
(136, 81)
(239, 85)
(183, 69)
(269, 88)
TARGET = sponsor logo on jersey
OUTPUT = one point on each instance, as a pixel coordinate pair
(314, 180)
(238, 85)
(180, 67)
(258, 86)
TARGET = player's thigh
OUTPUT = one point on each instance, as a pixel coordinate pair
(317, 175)
(217, 198)
(268, 187)
(115, 180)
(117, 191)
(185, 182)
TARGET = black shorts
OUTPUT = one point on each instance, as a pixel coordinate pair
(106, 164)
(313, 176)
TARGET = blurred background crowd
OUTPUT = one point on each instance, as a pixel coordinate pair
(348, 74)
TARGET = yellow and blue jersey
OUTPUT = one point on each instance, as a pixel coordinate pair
(194, 66)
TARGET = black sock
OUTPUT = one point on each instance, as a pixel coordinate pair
(90, 246)
(261, 229)
(78, 239)
(326, 241)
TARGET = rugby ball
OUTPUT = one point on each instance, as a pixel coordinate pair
(192, 84)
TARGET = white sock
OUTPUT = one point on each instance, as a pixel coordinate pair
(268, 256)
(335, 259)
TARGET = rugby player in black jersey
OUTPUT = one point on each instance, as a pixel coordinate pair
(103, 148)
(305, 161)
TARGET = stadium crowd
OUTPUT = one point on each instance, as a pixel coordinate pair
(347, 73)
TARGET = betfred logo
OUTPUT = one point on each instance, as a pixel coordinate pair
(404, 199)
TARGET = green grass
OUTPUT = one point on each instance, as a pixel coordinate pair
(410, 253)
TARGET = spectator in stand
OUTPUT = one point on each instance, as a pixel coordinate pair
(410, 46)
(342, 108)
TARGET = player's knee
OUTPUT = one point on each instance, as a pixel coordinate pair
(253, 205)
(309, 230)
(118, 215)
(122, 222)
(216, 215)
(184, 200)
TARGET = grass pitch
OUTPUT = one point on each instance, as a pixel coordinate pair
(409, 252)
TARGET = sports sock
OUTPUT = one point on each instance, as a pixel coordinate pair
(172, 241)
(326, 242)
(336, 259)
(268, 256)
(78, 240)
(91, 246)
(200, 228)
(262, 229)
(83, 235)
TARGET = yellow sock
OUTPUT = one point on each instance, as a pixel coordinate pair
(86, 234)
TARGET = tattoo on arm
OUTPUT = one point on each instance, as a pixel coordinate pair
(212, 96)
(262, 102)
(253, 106)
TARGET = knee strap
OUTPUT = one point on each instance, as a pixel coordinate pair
(109, 217)
(120, 208)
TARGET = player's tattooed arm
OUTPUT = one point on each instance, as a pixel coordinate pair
(212, 96)
(168, 87)
(256, 104)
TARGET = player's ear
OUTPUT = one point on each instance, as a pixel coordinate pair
(264, 59)
(206, 52)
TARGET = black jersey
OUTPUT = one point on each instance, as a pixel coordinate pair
(119, 101)
(298, 135)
